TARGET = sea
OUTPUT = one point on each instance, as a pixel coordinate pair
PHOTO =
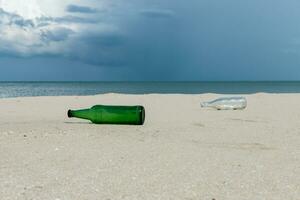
(30, 89)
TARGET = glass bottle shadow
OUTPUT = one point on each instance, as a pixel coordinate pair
(78, 122)
(90, 123)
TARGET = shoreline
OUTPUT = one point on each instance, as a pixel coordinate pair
(134, 88)
(214, 94)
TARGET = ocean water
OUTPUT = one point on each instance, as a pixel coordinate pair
(21, 89)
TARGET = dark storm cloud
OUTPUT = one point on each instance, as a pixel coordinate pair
(146, 48)
(58, 34)
(101, 49)
(38, 37)
(169, 39)
(80, 9)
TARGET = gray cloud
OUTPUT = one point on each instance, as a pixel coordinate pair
(54, 36)
(23, 23)
(14, 19)
(3, 13)
(39, 36)
(157, 13)
(80, 9)
(102, 41)
(58, 34)
(114, 46)
(161, 40)
(68, 19)
(9, 19)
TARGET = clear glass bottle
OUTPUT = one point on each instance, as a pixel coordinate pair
(227, 103)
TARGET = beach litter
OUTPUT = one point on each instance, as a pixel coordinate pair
(103, 114)
(227, 103)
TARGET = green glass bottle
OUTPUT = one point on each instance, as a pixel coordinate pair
(100, 114)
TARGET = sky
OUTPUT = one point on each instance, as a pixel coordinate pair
(149, 40)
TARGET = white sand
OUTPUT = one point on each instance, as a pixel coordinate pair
(182, 152)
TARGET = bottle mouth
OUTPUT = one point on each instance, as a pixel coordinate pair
(69, 113)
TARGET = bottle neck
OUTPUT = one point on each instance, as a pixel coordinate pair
(82, 114)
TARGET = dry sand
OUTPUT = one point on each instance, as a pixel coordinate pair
(182, 152)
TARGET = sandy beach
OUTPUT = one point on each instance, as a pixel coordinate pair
(182, 152)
